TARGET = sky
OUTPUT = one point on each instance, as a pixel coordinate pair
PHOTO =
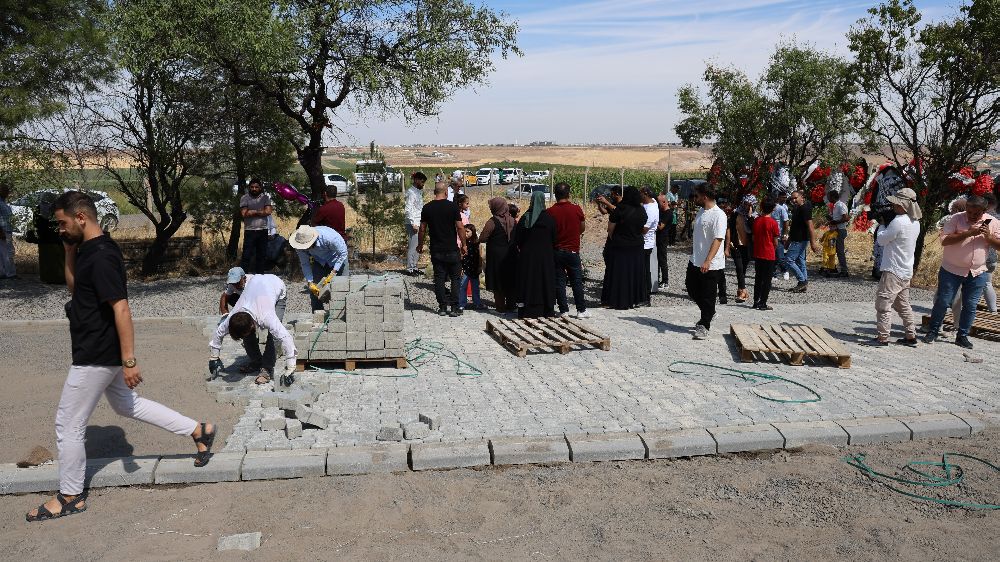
(607, 71)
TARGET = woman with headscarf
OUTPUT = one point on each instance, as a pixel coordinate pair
(498, 234)
(535, 238)
(625, 285)
(740, 239)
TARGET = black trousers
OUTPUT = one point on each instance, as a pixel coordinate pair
(648, 279)
(447, 266)
(671, 234)
(763, 275)
(568, 263)
(703, 288)
(254, 250)
(741, 259)
(661, 260)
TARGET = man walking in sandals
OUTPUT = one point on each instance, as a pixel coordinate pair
(100, 327)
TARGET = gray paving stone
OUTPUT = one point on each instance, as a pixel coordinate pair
(390, 433)
(14, 480)
(415, 430)
(679, 443)
(180, 469)
(121, 471)
(875, 430)
(933, 426)
(797, 434)
(428, 456)
(976, 422)
(293, 428)
(312, 417)
(367, 459)
(605, 447)
(432, 420)
(524, 450)
(739, 438)
(244, 541)
(272, 424)
(272, 465)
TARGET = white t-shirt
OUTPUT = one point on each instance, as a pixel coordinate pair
(258, 299)
(839, 213)
(709, 225)
(899, 242)
(652, 219)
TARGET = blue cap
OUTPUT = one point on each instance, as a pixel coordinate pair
(235, 274)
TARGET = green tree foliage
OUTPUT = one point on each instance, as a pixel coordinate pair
(317, 58)
(931, 90)
(796, 113)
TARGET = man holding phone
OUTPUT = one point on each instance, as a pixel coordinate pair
(966, 239)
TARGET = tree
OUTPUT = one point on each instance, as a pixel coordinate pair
(931, 91)
(380, 211)
(804, 102)
(315, 58)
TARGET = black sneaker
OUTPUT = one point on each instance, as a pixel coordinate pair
(765, 307)
(907, 342)
(800, 288)
(930, 336)
(443, 312)
(963, 341)
(455, 312)
(875, 342)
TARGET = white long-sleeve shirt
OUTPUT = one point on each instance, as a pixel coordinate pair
(258, 299)
(899, 242)
(414, 204)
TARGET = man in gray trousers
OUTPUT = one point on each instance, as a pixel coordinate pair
(414, 205)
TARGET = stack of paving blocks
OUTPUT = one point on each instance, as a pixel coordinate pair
(363, 320)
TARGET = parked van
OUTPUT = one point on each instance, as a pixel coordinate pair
(487, 176)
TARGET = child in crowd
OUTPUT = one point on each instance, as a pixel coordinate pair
(765, 243)
(471, 266)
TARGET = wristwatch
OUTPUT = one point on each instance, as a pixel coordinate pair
(129, 363)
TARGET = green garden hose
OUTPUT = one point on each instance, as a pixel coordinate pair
(953, 476)
(751, 377)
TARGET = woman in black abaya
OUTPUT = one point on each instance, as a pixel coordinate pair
(624, 283)
(535, 239)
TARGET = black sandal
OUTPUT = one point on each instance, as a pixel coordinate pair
(206, 439)
(69, 507)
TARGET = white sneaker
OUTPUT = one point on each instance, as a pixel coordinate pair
(785, 276)
(700, 332)
(664, 286)
(583, 315)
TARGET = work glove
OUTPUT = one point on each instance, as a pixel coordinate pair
(288, 377)
(314, 289)
(214, 368)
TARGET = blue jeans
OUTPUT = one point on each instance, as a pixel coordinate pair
(463, 298)
(780, 265)
(948, 286)
(795, 258)
(568, 263)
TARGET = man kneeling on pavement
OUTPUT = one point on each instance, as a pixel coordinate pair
(261, 305)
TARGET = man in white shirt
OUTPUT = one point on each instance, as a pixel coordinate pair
(236, 279)
(899, 242)
(414, 205)
(649, 237)
(838, 219)
(708, 262)
(780, 215)
(262, 305)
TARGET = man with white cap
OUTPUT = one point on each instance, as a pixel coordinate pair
(236, 279)
(898, 241)
(262, 305)
(326, 249)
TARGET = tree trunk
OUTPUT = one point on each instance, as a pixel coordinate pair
(233, 247)
(311, 159)
(154, 255)
(241, 180)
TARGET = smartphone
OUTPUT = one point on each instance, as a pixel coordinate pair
(986, 222)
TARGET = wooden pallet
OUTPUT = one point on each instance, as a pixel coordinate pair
(986, 325)
(797, 342)
(348, 364)
(562, 334)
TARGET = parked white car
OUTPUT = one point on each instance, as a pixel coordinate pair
(342, 183)
(526, 189)
(23, 209)
(537, 175)
(486, 176)
(511, 175)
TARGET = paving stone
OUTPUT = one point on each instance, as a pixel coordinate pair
(14, 480)
(272, 424)
(521, 450)
(933, 426)
(428, 456)
(797, 434)
(293, 428)
(432, 420)
(605, 447)
(312, 417)
(367, 459)
(875, 430)
(678, 443)
(738, 438)
(390, 433)
(975, 421)
(180, 469)
(271, 465)
(121, 471)
(415, 430)
(244, 541)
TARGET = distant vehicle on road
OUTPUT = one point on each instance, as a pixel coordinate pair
(511, 175)
(487, 176)
(344, 186)
(23, 209)
(526, 189)
(376, 173)
(537, 175)
(467, 178)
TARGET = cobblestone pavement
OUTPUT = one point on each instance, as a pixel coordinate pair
(630, 388)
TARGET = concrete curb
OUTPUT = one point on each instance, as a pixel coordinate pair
(506, 451)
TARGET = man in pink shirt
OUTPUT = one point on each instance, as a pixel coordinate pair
(966, 237)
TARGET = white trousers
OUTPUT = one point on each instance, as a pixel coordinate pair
(84, 387)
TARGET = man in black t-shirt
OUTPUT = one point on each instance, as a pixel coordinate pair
(100, 327)
(441, 221)
(800, 237)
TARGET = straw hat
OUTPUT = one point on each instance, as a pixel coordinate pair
(303, 238)
(907, 199)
